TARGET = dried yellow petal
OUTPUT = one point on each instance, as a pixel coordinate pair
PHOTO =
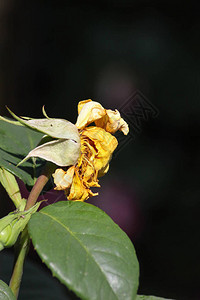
(78, 191)
(89, 111)
(62, 179)
(104, 143)
(112, 122)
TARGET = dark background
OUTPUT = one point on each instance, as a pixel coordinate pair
(59, 52)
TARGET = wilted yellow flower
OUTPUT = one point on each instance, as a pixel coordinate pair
(84, 151)
(97, 146)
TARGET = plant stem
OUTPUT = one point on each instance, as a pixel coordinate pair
(22, 245)
(40, 183)
(21, 251)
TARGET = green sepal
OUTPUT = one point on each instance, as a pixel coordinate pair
(11, 186)
(56, 128)
(64, 150)
(60, 152)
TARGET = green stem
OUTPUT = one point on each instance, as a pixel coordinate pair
(40, 183)
(21, 251)
(23, 242)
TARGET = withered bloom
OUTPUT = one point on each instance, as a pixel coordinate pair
(85, 150)
(97, 146)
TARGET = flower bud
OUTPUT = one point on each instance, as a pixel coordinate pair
(12, 224)
(4, 236)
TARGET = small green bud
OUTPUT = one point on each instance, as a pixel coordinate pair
(12, 224)
(4, 236)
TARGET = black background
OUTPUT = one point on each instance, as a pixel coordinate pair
(59, 52)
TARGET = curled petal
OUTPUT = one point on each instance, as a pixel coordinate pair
(62, 179)
(112, 122)
(82, 103)
(115, 122)
(104, 142)
(79, 191)
(89, 111)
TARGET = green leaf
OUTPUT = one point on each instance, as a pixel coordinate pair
(86, 250)
(141, 297)
(5, 292)
(15, 143)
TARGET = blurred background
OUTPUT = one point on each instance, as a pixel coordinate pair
(60, 52)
